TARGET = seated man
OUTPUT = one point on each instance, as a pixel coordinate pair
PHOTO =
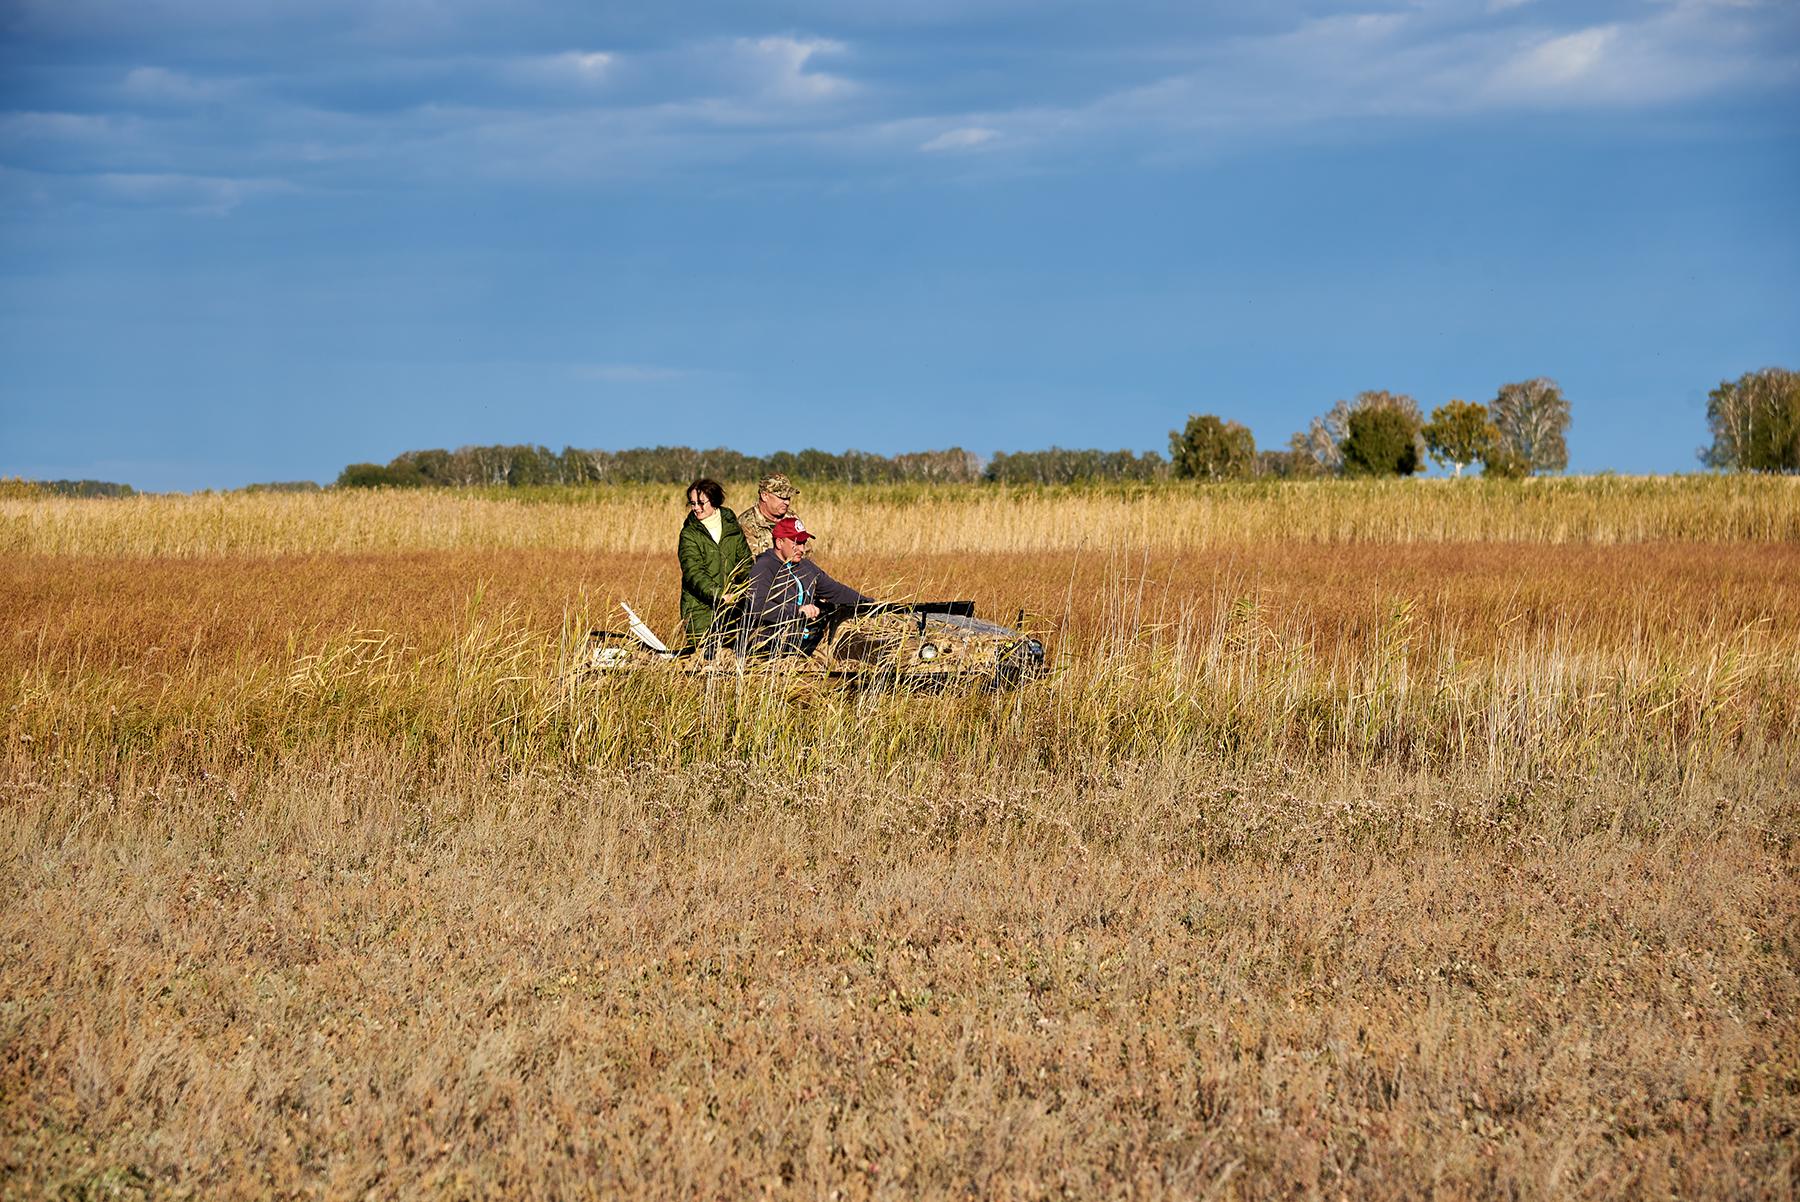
(785, 592)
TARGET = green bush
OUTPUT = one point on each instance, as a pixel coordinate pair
(1383, 441)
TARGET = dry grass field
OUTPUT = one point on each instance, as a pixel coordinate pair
(1434, 840)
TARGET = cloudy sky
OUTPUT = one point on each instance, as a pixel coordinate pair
(246, 240)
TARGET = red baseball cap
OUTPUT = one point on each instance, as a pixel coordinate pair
(791, 528)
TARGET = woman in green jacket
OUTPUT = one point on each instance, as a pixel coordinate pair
(715, 559)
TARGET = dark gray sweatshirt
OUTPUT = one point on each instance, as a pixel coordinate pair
(772, 620)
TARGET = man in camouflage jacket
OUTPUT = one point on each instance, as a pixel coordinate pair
(774, 501)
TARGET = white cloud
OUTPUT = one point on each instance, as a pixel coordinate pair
(576, 67)
(586, 116)
(589, 63)
(966, 138)
(1556, 62)
(1688, 49)
(1418, 64)
(782, 63)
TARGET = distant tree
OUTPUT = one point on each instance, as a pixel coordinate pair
(376, 475)
(87, 488)
(515, 466)
(1383, 440)
(863, 467)
(1503, 463)
(1292, 462)
(1314, 450)
(1399, 403)
(1533, 418)
(1460, 433)
(654, 465)
(437, 468)
(572, 466)
(1755, 422)
(1323, 441)
(363, 475)
(1063, 465)
(1306, 455)
(952, 466)
(283, 486)
(1210, 448)
(526, 466)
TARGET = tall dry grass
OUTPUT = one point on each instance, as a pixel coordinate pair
(1342, 859)
(921, 520)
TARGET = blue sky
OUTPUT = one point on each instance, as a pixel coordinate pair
(252, 240)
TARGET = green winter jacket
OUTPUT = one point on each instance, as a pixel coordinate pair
(709, 570)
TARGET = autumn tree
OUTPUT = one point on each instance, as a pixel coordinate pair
(1312, 452)
(1210, 448)
(1532, 417)
(1755, 422)
(1460, 433)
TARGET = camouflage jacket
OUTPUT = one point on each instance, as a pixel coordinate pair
(759, 528)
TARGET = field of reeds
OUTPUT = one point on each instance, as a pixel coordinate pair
(1371, 840)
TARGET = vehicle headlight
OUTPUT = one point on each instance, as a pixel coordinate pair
(928, 651)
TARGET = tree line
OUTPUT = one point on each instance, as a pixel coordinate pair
(1522, 431)
(1754, 421)
(1379, 433)
(13, 488)
(524, 465)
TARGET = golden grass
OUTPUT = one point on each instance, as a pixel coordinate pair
(921, 520)
(625, 987)
(1499, 660)
(1351, 859)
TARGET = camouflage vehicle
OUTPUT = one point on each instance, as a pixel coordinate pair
(933, 645)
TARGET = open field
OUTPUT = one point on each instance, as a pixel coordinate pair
(911, 520)
(1369, 840)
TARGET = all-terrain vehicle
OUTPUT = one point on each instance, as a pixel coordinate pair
(929, 645)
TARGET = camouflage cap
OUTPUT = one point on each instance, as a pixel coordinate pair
(779, 485)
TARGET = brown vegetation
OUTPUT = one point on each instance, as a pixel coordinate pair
(1354, 858)
(926, 519)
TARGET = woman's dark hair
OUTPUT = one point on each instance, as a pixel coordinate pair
(710, 489)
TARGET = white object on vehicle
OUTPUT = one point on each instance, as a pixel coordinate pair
(644, 634)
